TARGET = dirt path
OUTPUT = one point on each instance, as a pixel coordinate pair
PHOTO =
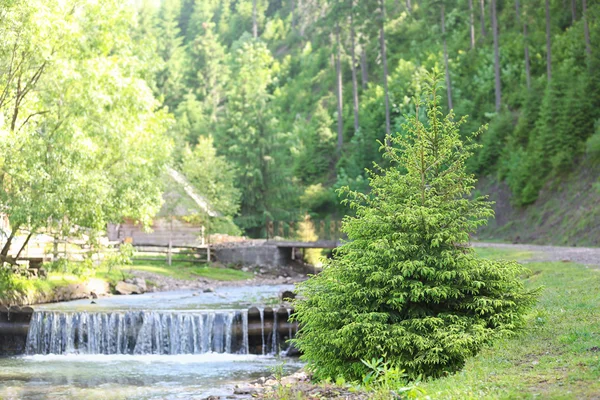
(580, 255)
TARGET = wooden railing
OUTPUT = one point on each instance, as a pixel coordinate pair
(154, 252)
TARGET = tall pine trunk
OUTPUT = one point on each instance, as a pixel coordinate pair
(526, 51)
(409, 6)
(586, 28)
(353, 65)
(548, 43)
(254, 22)
(292, 12)
(385, 69)
(299, 18)
(472, 16)
(523, 21)
(364, 72)
(482, 16)
(573, 11)
(496, 56)
(338, 72)
(448, 83)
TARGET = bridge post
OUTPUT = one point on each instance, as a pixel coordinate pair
(269, 229)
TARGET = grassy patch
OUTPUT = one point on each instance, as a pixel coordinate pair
(556, 357)
(15, 288)
(114, 276)
(222, 274)
(188, 271)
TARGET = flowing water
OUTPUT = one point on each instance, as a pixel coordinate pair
(179, 345)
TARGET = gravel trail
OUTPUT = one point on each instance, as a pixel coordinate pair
(580, 255)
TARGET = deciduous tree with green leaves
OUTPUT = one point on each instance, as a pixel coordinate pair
(81, 138)
(406, 285)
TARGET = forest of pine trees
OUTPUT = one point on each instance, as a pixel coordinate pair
(296, 93)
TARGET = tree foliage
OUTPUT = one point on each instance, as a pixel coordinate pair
(212, 176)
(293, 69)
(406, 285)
(82, 141)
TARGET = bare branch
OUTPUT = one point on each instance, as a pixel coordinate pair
(31, 116)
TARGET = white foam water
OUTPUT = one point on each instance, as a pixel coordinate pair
(139, 332)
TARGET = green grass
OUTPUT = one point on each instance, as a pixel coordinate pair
(18, 289)
(114, 276)
(222, 274)
(188, 271)
(556, 357)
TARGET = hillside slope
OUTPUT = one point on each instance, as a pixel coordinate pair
(567, 211)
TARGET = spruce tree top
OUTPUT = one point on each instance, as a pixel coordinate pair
(406, 285)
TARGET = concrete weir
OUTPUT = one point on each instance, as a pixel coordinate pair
(14, 326)
(253, 331)
(266, 253)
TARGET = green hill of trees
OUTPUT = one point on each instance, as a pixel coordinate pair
(269, 106)
(296, 93)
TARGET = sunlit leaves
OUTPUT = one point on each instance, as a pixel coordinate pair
(84, 142)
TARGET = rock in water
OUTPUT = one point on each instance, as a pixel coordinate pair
(287, 295)
(97, 287)
(291, 351)
(128, 288)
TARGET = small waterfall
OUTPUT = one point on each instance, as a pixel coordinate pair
(262, 330)
(275, 335)
(289, 314)
(245, 341)
(157, 332)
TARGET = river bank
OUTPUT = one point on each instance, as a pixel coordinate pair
(189, 344)
(141, 277)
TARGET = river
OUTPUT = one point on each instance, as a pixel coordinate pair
(171, 345)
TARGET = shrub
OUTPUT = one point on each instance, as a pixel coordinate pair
(120, 258)
(593, 144)
(385, 381)
(406, 284)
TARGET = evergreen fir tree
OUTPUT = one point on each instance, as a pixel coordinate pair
(250, 138)
(314, 163)
(406, 285)
(170, 80)
(546, 142)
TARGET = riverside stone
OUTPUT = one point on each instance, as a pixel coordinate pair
(128, 288)
(248, 389)
(287, 295)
